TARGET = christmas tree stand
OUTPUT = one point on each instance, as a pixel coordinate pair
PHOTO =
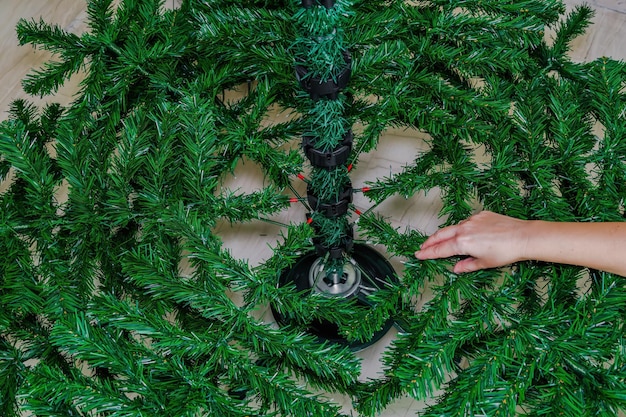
(365, 272)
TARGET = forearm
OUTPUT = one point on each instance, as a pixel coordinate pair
(491, 240)
(594, 245)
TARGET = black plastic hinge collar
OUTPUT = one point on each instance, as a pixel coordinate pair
(328, 88)
(331, 209)
(329, 4)
(331, 159)
(334, 252)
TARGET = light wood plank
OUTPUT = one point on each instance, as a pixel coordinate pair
(618, 6)
(605, 36)
(18, 61)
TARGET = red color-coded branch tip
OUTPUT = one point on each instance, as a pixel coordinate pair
(365, 189)
(358, 212)
(350, 167)
(300, 176)
(293, 200)
(309, 220)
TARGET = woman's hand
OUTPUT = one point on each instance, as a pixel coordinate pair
(489, 240)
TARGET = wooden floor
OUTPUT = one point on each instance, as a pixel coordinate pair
(605, 38)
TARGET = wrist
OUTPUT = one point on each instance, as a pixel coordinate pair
(527, 231)
(541, 240)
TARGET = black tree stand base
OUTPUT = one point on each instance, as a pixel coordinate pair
(368, 272)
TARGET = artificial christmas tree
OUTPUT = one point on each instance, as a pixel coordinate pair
(122, 300)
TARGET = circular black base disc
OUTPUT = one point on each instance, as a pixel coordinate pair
(375, 272)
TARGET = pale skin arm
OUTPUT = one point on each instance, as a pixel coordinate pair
(491, 240)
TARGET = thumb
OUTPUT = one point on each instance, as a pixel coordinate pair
(467, 265)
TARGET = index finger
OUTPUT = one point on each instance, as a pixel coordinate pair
(439, 236)
(443, 249)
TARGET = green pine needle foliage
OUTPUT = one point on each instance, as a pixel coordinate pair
(116, 299)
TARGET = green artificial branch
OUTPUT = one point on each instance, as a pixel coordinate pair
(119, 298)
